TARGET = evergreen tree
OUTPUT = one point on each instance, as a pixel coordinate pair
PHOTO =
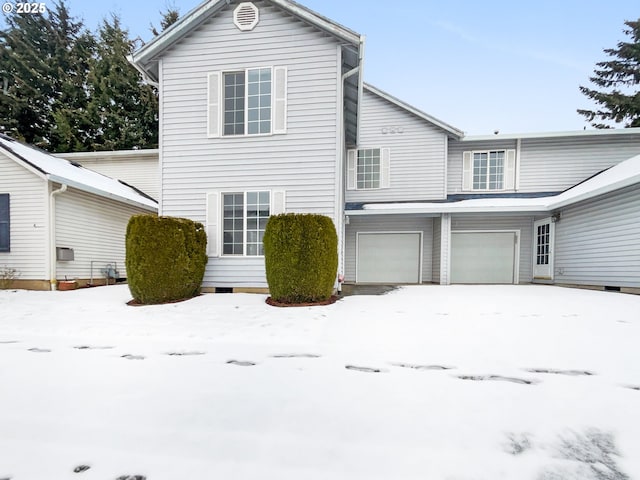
(122, 108)
(618, 83)
(169, 17)
(26, 87)
(73, 48)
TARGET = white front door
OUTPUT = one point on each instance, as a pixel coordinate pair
(543, 249)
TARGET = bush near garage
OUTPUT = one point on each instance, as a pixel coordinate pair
(166, 258)
(301, 257)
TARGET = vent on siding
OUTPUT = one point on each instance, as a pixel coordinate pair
(246, 16)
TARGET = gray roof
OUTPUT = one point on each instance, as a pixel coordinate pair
(62, 171)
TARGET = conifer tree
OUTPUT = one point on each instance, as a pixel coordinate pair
(617, 84)
(122, 108)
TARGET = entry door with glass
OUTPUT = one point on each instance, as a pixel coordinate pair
(543, 249)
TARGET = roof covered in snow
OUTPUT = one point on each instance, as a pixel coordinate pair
(619, 176)
(62, 171)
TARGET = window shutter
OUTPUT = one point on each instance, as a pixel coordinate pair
(213, 104)
(213, 212)
(385, 168)
(5, 219)
(278, 202)
(510, 170)
(280, 100)
(467, 170)
(351, 169)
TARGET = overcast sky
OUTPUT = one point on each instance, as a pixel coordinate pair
(510, 65)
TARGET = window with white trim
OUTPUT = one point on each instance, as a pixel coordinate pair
(244, 218)
(368, 169)
(489, 170)
(247, 101)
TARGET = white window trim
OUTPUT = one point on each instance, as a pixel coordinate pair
(385, 180)
(220, 217)
(246, 103)
(505, 170)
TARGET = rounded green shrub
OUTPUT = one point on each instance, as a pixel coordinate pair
(301, 257)
(166, 258)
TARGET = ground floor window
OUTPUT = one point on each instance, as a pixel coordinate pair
(4, 223)
(245, 216)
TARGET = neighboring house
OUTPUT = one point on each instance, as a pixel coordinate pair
(59, 220)
(263, 110)
(136, 167)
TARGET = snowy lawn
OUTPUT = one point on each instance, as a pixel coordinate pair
(458, 383)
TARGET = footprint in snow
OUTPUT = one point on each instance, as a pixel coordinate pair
(480, 378)
(92, 347)
(364, 369)
(241, 363)
(81, 468)
(632, 387)
(295, 355)
(185, 354)
(131, 477)
(423, 367)
(6, 342)
(40, 350)
(573, 373)
(129, 356)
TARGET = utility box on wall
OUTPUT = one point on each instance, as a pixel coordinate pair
(64, 254)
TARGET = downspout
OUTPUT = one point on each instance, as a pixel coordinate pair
(52, 235)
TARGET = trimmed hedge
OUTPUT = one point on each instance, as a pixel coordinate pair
(166, 258)
(301, 257)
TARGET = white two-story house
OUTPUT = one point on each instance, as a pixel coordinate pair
(263, 110)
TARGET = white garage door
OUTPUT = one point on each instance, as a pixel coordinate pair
(388, 257)
(483, 257)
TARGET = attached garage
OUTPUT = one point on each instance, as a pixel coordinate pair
(394, 257)
(484, 257)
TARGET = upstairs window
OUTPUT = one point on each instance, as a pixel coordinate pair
(368, 169)
(247, 102)
(489, 170)
(4, 223)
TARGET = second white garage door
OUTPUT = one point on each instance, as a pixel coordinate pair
(388, 257)
(483, 257)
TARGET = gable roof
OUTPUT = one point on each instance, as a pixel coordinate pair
(145, 58)
(74, 175)
(622, 175)
(453, 131)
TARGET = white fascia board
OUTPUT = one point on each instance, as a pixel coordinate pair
(459, 134)
(150, 152)
(565, 199)
(435, 209)
(571, 133)
(149, 205)
(183, 26)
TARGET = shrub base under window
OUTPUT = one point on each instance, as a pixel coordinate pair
(275, 303)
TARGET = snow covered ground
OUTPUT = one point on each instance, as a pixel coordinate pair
(457, 383)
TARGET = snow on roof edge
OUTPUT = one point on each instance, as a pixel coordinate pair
(63, 171)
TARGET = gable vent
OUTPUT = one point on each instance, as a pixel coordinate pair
(246, 16)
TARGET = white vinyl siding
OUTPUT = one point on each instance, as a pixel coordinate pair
(302, 162)
(388, 223)
(417, 153)
(29, 220)
(95, 228)
(545, 165)
(596, 242)
(139, 169)
(486, 222)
